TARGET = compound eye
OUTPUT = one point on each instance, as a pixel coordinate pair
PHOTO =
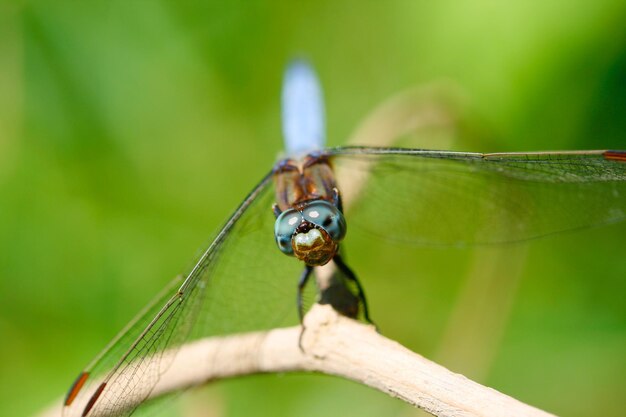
(328, 217)
(284, 228)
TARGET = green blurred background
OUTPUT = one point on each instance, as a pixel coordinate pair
(130, 130)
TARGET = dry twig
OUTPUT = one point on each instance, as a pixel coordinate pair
(336, 345)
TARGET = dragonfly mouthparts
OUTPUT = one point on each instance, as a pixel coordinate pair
(313, 245)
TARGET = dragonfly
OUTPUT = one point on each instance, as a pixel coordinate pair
(241, 281)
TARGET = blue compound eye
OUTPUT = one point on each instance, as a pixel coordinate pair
(284, 228)
(326, 216)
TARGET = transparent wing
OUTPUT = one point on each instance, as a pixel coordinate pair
(455, 198)
(241, 283)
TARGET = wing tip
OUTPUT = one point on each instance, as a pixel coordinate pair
(78, 384)
(93, 399)
(619, 156)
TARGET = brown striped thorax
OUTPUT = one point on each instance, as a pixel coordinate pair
(309, 223)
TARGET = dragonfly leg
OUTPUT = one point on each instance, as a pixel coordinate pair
(304, 278)
(351, 276)
(276, 210)
(337, 199)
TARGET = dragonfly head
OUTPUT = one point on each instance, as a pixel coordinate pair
(311, 232)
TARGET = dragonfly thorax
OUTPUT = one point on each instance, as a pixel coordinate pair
(298, 181)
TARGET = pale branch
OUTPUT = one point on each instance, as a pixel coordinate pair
(336, 345)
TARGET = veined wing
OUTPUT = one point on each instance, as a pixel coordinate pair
(456, 198)
(240, 283)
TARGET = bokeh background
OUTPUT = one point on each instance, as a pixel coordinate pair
(130, 130)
